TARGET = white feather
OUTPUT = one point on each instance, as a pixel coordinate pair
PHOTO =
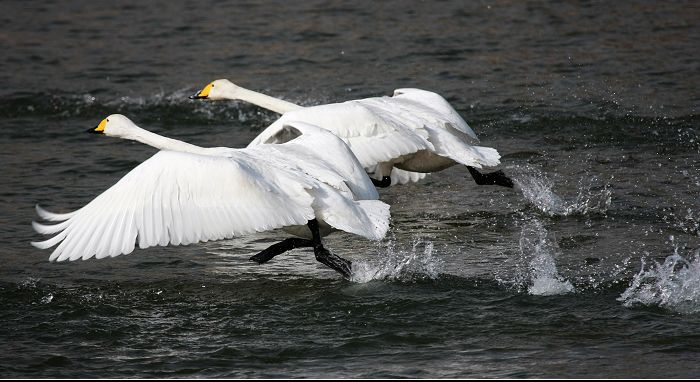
(415, 130)
(399, 176)
(50, 216)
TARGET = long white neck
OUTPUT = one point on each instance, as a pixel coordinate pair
(162, 143)
(265, 101)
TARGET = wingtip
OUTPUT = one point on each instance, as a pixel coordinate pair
(46, 229)
(39, 211)
(37, 226)
(50, 216)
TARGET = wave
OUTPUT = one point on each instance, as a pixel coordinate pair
(173, 107)
(520, 117)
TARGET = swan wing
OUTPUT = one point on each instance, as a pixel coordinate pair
(428, 112)
(438, 107)
(181, 198)
(448, 144)
(325, 157)
(373, 136)
(54, 217)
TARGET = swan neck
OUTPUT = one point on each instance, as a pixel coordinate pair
(265, 101)
(163, 143)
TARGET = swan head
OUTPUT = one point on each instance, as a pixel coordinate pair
(116, 125)
(217, 90)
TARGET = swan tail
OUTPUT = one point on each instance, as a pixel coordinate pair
(487, 156)
(454, 147)
(377, 215)
(367, 218)
(399, 176)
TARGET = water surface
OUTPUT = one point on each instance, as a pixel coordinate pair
(590, 268)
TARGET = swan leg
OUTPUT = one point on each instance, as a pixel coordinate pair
(385, 182)
(497, 178)
(337, 263)
(280, 248)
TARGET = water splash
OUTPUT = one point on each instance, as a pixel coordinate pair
(537, 189)
(35, 290)
(673, 284)
(688, 222)
(398, 264)
(179, 103)
(29, 283)
(47, 299)
(536, 268)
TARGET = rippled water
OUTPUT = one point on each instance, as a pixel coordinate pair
(589, 268)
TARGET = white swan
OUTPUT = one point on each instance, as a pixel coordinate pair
(398, 139)
(186, 194)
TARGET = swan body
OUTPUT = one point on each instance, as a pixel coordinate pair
(186, 194)
(412, 133)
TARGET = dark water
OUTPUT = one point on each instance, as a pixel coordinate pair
(590, 269)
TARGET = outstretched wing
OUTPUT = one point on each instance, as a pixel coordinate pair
(180, 198)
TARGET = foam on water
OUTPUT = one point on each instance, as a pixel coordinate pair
(397, 264)
(535, 268)
(538, 190)
(673, 284)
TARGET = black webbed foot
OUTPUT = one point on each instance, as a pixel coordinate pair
(337, 263)
(497, 178)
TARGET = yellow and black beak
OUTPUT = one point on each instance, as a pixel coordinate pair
(99, 129)
(204, 93)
